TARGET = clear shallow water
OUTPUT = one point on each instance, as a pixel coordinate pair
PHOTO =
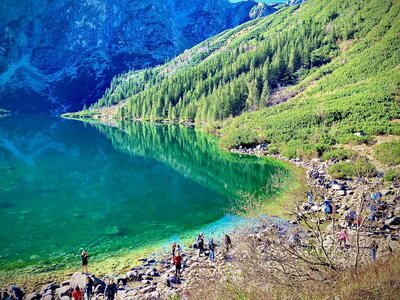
(67, 185)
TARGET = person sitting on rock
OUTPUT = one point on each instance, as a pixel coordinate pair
(110, 290)
(178, 265)
(342, 237)
(84, 257)
(77, 294)
(211, 248)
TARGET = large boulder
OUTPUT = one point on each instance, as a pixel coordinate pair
(64, 291)
(79, 279)
(49, 288)
(393, 221)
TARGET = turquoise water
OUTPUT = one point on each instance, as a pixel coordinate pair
(67, 185)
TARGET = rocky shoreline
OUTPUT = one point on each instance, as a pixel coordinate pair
(154, 277)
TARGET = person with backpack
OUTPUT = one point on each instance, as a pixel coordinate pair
(374, 248)
(89, 288)
(200, 243)
(328, 208)
(342, 237)
(110, 290)
(77, 294)
(178, 265)
(84, 258)
(211, 248)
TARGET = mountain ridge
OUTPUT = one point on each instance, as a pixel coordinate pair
(59, 55)
(303, 79)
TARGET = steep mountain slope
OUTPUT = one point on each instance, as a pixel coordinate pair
(332, 66)
(58, 55)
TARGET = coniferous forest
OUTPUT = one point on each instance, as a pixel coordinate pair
(332, 66)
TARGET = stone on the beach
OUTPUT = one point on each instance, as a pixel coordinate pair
(393, 221)
(65, 283)
(148, 289)
(79, 279)
(33, 296)
(154, 295)
(337, 187)
(387, 192)
(49, 287)
(49, 296)
(63, 291)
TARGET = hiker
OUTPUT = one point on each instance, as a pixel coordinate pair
(17, 293)
(294, 239)
(178, 265)
(77, 294)
(328, 208)
(173, 249)
(227, 244)
(200, 243)
(342, 237)
(110, 290)
(84, 257)
(357, 221)
(374, 248)
(211, 248)
(310, 198)
(5, 296)
(89, 288)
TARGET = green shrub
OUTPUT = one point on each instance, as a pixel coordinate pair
(391, 175)
(340, 154)
(388, 153)
(358, 168)
(273, 149)
(244, 138)
(355, 140)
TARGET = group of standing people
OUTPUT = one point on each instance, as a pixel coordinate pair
(177, 254)
(200, 244)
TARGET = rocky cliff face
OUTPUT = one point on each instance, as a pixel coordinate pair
(56, 55)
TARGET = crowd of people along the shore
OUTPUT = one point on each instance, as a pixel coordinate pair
(109, 288)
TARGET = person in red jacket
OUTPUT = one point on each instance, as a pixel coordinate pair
(178, 265)
(77, 294)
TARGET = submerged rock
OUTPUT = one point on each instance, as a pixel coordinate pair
(112, 230)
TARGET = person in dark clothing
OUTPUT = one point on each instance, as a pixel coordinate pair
(173, 249)
(200, 243)
(110, 290)
(17, 292)
(84, 257)
(374, 248)
(227, 244)
(89, 288)
(211, 248)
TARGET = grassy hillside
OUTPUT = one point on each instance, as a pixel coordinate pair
(303, 79)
